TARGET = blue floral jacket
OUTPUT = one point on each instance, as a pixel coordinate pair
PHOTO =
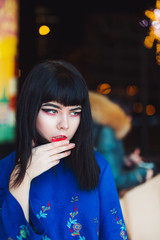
(59, 209)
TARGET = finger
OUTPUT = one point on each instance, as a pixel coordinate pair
(61, 149)
(50, 146)
(54, 163)
(58, 156)
(53, 145)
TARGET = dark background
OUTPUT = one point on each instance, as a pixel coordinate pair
(104, 40)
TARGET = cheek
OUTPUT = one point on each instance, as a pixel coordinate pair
(39, 121)
(42, 125)
(39, 125)
(76, 124)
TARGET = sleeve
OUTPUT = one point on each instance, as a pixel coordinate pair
(112, 225)
(113, 151)
(130, 178)
(13, 224)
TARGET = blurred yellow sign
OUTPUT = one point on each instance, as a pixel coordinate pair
(8, 67)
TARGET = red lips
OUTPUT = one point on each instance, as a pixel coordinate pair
(58, 138)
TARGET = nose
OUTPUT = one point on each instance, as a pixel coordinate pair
(63, 122)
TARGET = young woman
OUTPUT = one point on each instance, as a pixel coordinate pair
(54, 186)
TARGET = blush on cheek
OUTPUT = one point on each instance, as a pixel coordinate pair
(47, 112)
(77, 115)
(50, 114)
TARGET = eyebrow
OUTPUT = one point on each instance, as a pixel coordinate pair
(51, 105)
(56, 106)
(76, 108)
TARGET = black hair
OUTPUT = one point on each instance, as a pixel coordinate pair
(56, 81)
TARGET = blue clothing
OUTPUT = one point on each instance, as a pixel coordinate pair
(59, 209)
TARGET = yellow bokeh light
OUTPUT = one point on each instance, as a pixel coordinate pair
(150, 110)
(150, 15)
(104, 88)
(158, 4)
(158, 47)
(148, 42)
(132, 90)
(44, 30)
(158, 59)
(154, 31)
(137, 107)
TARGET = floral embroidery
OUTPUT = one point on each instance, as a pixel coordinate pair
(96, 221)
(24, 233)
(46, 238)
(77, 227)
(72, 224)
(123, 232)
(42, 212)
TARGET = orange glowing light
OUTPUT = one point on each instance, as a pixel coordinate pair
(104, 88)
(150, 110)
(154, 31)
(132, 90)
(137, 107)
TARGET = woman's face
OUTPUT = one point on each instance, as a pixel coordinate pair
(54, 119)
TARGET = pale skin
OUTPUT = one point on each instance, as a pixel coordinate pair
(53, 120)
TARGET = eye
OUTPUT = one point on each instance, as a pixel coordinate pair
(75, 113)
(50, 111)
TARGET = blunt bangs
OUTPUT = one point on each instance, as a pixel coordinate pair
(65, 86)
(67, 95)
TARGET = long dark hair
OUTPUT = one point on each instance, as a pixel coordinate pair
(56, 81)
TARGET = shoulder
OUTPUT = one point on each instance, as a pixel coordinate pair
(106, 179)
(7, 164)
(101, 161)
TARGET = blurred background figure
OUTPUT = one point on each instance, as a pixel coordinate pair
(110, 125)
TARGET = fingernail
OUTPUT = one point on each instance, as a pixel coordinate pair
(72, 144)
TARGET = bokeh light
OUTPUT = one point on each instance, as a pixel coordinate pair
(154, 31)
(44, 30)
(150, 110)
(144, 23)
(137, 107)
(104, 88)
(132, 90)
